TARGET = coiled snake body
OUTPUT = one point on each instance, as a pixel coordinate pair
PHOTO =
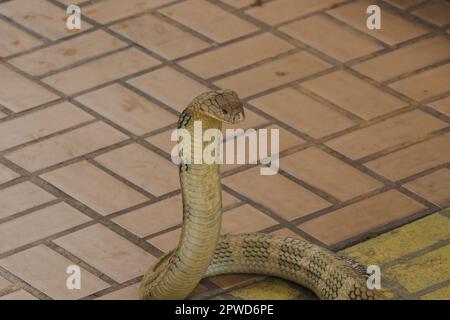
(202, 252)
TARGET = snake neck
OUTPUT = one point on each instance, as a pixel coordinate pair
(179, 274)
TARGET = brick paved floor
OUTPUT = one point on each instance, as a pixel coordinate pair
(86, 117)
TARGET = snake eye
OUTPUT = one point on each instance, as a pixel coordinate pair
(224, 111)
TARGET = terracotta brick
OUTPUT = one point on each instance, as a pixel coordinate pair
(40, 124)
(239, 3)
(143, 167)
(436, 12)
(40, 16)
(2, 115)
(14, 40)
(108, 252)
(276, 192)
(442, 105)
(66, 53)
(425, 84)
(159, 36)
(127, 109)
(160, 216)
(303, 113)
(169, 86)
(354, 94)
(273, 74)
(284, 10)
(18, 295)
(404, 4)
(394, 28)
(94, 188)
(245, 219)
(45, 270)
(111, 10)
(331, 38)
(361, 217)
(414, 159)
(100, 71)
(166, 241)
(329, 174)
(236, 55)
(406, 59)
(39, 224)
(127, 293)
(7, 174)
(433, 187)
(66, 146)
(18, 93)
(209, 20)
(406, 127)
(20, 197)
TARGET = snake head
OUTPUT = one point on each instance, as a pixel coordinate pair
(223, 105)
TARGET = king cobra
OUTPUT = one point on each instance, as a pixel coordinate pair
(202, 252)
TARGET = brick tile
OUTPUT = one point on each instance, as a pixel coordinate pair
(239, 3)
(111, 10)
(245, 219)
(14, 40)
(276, 192)
(38, 225)
(160, 216)
(406, 59)
(4, 283)
(6, 174)
(169, 86)
(361, 217)
(436, 12)
(143, 167)
(45, 270)
(422, 272)
(41, 17)
(229, 281)
(100, 71)
(2, 115)
(166, 241)
(442, 105)
(354, 94)
(287, 140)
(404, 4)
(284, 10)
(40, 124)
(127, 293)
(440, 294)
(425, 84)
(273, 74)
(159, 36)
(66, 146)
(18, 295)
(286, 233)
(308, 116)
(17, 93)
(108, 252)
(414, 159)
(236, 55)
(402, 241)
(20, 197)
(329, 174)
(395, 29)
(103, 193)
(406, 127)
(433, 187)
(209, 20)
(127, 109)
(66, 53)
(328, 36)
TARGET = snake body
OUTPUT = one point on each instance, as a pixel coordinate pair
(202, 252)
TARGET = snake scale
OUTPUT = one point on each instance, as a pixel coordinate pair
(202, 252)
